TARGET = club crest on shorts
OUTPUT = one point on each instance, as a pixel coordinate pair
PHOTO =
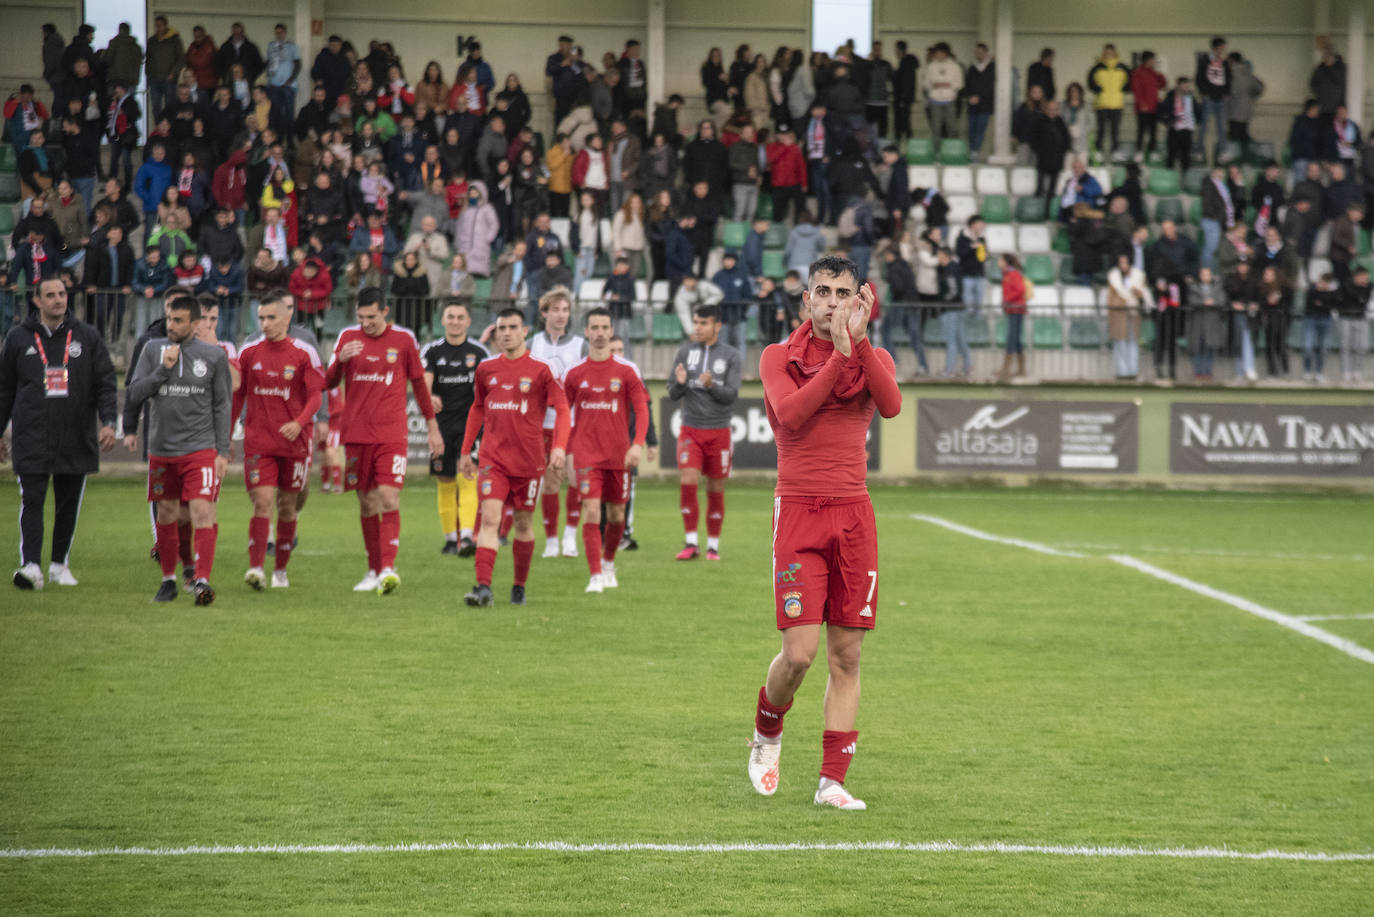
(792, 604)
(199, 369)
(392, 354)
(288, 372)
(486, 488)
(585, 486)
(254, 476)
(158, 489)
(525, 383)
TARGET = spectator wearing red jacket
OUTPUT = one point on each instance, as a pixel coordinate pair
(396, 97)
(311, 287)
(230, 185)
(466, 85)
(200, 60)
(1146, 85)
(591, 170)
(1014, 296)
(787, 169)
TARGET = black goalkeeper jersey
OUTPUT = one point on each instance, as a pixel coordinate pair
(455, 370)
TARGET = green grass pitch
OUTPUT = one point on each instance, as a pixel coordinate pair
(1010, 696)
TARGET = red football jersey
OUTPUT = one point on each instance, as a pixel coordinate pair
(375, 385)
(282, 381)
(600, 394)
(509, 400)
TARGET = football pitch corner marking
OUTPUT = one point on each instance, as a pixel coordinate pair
(993, 847)
(988, 536)
(1350, 648)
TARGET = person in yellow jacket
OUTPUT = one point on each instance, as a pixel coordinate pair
(559, 160)
(1109, 79)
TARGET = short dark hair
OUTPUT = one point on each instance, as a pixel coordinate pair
(207, 301)
(595, 310)
(184, 304)
(835, 265)
(1217, 42)
(456, 302)
(511, 311)
(371, 296)
(707, 311)
(276, 294)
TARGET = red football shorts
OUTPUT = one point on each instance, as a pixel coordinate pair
(495, 484)
(708, 451)
(282, 472)
(609, 485)
(825, 561)
(368, 466)
(183, 477)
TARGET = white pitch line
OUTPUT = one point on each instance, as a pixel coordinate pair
(988, 536)
(1369, 617)
(1059, 850)
(1354, 650)
(1211, 552)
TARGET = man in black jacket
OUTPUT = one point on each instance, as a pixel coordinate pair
(56, 380)
(1049, 138)
(980, 88)
(903, 92)
(237, 49)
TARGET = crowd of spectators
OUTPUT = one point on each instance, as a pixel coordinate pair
(371, 176)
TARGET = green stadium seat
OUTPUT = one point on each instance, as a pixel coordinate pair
(976, 329)
(602, 268)
(1039, 269)
(1147, 335)
(1163, 182)
(9, 187)
(667, 329)
(1118, 174)
(920, 151)
(954, 151)
(1061, 242)
(1031, 210)
(773, 265)
(483, 289)
(764, 211)
(1363, 247)
(1194, 179)
(992, 271)
(1260, 152)
(1169, 208)
(752, 334)
(776, 237)
(1085, 334)
(1000, 336)
(638, 327)
(9, 160)
(934, 332)
(1156, 159)
(7, 220)
(734, 233)
(1047, 334)
(995, 208)
(1195, 211)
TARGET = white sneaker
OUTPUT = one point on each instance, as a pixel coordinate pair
(59, 574)
(279, 580)
(550, 547)
(763, 765)
(1252, 376)
(608, 575)
(834, 794)
(255, 578)
(29, 576)
(387, 581)
(596, 584)
(369, 583)
(570, 543)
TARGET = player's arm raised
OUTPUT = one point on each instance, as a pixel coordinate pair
(879, 370)
(148, 378)
(677, 379)
(794, 404)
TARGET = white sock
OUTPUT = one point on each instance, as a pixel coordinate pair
(552, 540)
(569, 532)
(826, 782)
(451, 536)
(768, 740)
(692, 538)
(712, 544)
(467, 533)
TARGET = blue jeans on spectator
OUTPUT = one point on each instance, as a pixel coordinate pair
(1314, 331)
(1202, 359)
(1245, 360)
(1212, 110)
(160, 92)
(956, 342)
(119, 151)
(973, 291)
(283, 100)
(1211, 238)
(977, 127)
(819, 174)
(909, 318)
(861, 255)
(228, 329)
(1015, 321)
(1299, 170)
(1126, 354)
(735, 319)
(86, 188)
(582, 268)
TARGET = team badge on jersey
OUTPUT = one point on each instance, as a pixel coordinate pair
(719, 368)
(199, 369)
(615, 385)
(792, 604)
(392, 354)
(288, 372)
(75, 350)
(525, 383)
(470, 360)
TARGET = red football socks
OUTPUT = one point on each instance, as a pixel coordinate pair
(687, 497)
(574, 506)
(286, 535)
(522, 551)
(549, 505)
(168, 544)
(768, 718)
(614, 532)
(258, 529)
(388, 538)
(486, 562)
(837, 751)
(591, 540)
(715, 512)
(185, 543)
(205, 551)
(336, 477)
(371, 526)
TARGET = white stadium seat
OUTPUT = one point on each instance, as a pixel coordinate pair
(641, 293)
(1033, 239)
(659, 295)
(1103, 176)
(1044, 300)
(992, 180)
(922, 177)
(1079, 298)
(562, 227)
(1023, 181)
(995, 295)
(591, 290)
(604, 227)
(956, 180)
(1000, 238)
(961, 207)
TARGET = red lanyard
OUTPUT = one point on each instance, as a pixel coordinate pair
(42, 354)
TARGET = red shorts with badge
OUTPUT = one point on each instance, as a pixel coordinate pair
(494, 484)
(280, 471)
(609, 485)
(368, 466)
(708, 451)
(183, 477)
(825, 561)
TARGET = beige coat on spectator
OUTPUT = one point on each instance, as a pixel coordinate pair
(1126, 296)
(435, 257)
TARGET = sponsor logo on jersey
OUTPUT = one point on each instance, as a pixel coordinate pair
(392, 354)
(257, 366)
(615, 385)
(525, 383)
(76, 349)
(199, 369)
(491, 381)
(30, 352)
(719, 368)
(792, 604)
(288, 372)
(790, 574)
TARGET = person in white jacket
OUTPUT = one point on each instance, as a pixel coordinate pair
(435, 254)
(694, 292)
(1128, 292)
(942, 82)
